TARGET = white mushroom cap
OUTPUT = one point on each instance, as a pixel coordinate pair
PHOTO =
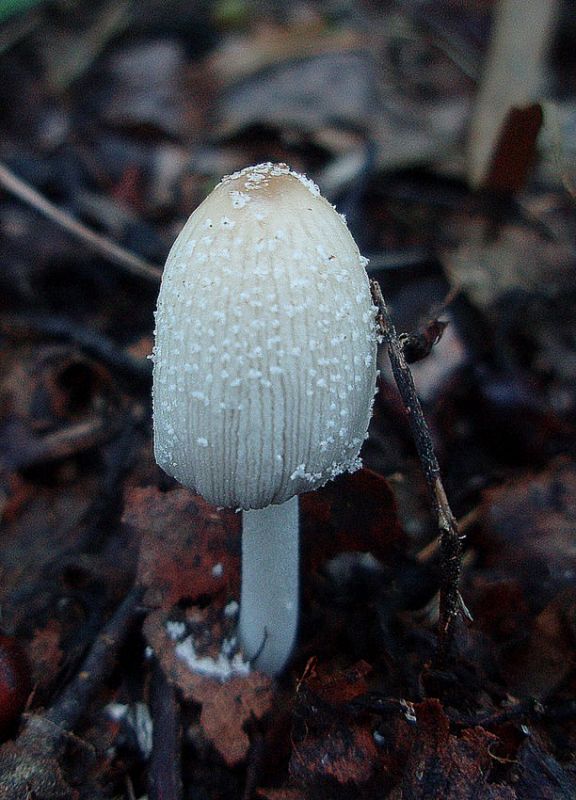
(265, 355)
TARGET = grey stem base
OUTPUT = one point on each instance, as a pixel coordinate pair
(269, 600)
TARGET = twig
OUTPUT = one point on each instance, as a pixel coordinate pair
(255, 765)
(460, 49)
(451, 603)
(164, 777)
(100, 244)
(97, 665)
(29, 765)
(531, 708)
(65, 442)
(93, 342)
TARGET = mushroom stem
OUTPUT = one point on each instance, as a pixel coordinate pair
(270, 586)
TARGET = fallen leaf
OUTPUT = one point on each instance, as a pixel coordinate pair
(328, 744)
(538, 664)
(146, 82)
(29, 767)
(539, 775)
(68, 55)
(280, 794)
(354, 513)
(188, 549)
(268, 45)
(228, 705)
(303, 94)
(340, 687)
(190, 564)
(519, 258)
(440, 765)
(528, 530)
(345, 754)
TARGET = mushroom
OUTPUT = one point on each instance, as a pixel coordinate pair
(264, 374)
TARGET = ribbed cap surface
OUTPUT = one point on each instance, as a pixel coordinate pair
(265, 355)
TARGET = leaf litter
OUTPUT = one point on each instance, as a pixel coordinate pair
(126, 126)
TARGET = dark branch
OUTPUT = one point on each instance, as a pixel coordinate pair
(29, 765)
(164, 776)
(451, 603)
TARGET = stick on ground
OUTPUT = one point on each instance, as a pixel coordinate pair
(451, 603)
(29, 764)
(95, 241)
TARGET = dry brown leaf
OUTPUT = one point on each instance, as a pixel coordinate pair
(529, 555)
(539, 775)
(520, 258)
(441, 766)
(29, 768)
(354, 513)
(303, 95)
(537, 666)
(528, 529)
(147, 87)
(190, 563)
(188, 548)
(227, 705)
(346, 754)
(329, 746)
(340, 687)
(280, 794)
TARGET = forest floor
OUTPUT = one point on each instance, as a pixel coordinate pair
(117, 118)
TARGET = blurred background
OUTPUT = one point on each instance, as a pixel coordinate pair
(445, 131)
